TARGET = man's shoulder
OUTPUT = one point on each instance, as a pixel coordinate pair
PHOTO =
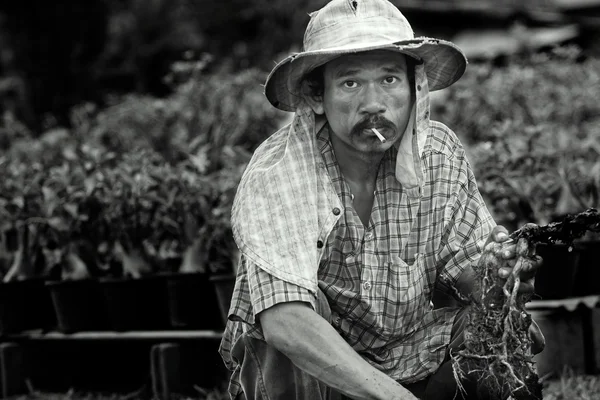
(269, 152)
(442, 140)
(273, 142)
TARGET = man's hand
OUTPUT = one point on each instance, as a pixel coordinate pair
(522, 252)
(513, 252)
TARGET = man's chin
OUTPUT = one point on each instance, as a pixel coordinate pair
(373, 145)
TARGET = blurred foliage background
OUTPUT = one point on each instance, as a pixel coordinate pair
(105, 102)
(60, 54)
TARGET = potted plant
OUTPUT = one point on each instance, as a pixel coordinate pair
(74, 212)
(220, 159)
(159, 200)
(223, 252)
(40, 211)
(141, 208)
(192, 300)
(24, 301)
(580, 188)
(220, 139)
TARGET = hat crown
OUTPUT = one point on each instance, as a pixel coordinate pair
(356, 23)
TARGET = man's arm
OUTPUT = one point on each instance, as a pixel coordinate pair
(314, 346)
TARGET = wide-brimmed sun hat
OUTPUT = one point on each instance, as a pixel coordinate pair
(353, 26)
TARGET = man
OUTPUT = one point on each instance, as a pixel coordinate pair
(345, 237)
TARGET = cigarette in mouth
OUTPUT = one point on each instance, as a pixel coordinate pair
(379, 135)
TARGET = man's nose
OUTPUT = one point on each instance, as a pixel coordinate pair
(372, 100)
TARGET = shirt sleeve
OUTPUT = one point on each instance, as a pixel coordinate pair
(267, 290)
(467, 228)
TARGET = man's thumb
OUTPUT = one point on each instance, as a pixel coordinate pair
(499, 234)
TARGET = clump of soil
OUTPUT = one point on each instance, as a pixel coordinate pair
(497, 343)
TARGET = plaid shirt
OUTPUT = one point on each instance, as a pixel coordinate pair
(379, 280)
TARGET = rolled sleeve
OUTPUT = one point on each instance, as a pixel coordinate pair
(465, 246)
(267, 290)
(466, 230)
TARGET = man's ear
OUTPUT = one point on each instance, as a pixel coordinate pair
(315, 102)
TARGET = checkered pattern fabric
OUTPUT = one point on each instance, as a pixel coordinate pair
(379, 279)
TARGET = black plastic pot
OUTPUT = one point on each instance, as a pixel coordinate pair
(78, 305)
(587, 281)
(224, 285)
(193, 303)
(136, 304)
(25, 305)
(556, 278)
(568, 271)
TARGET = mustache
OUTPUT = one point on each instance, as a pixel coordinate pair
(373, 121)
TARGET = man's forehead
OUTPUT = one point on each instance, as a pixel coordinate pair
(385, 60)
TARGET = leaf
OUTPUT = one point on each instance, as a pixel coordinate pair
(169, 221)
(190, 228)
(49, 194)
(18, 201)
(195, 258)
(59, 224)
(201, 160)
(51, 200)
(172, 196)
(72, 209)
(74, 268)
(134, 263)
(90, 185)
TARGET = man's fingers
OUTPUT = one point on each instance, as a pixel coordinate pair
(499, 234)
(538, 261)
(537, 338)
(530, 267)
(504, 273)
(527, 287)
(509, 251)
(527, 270)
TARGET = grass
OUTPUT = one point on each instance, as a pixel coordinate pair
(569, 386)
(145, 393)
(110, 396)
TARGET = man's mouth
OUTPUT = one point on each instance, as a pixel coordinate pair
(381, 138)
(378, 132)
(369, 127)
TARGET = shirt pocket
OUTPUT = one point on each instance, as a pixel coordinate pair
(405, 298)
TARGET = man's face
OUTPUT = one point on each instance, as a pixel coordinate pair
(364, 91)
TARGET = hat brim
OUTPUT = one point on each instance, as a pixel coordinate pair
(443, 61)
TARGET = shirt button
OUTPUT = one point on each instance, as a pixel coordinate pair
(336, 211)
(336, 320)
(319, 244)
(367, 285)
(369, 236)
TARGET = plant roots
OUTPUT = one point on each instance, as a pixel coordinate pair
(497, 350)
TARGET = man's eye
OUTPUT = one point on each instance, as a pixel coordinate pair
(350, 84)
(390, 79)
